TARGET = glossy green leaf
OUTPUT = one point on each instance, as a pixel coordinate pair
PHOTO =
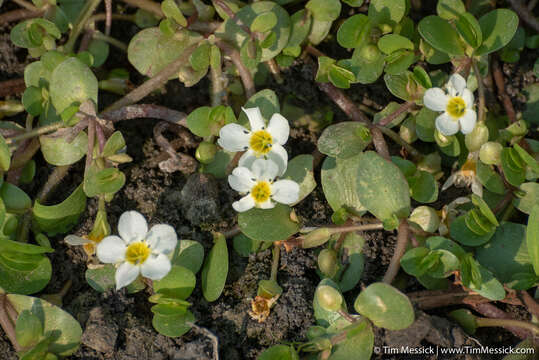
(331, 320)
(425, 124)
(352, 251)
(525, 202)
(246, 246)
(388, 12)
(388, 110)
(178, 283)
(106, 181)
(268, 224)
(173, 326)
(490, 287)
(57, 151)
(464, 235)
(385, 306)
(532, 238)
(215, 269)
(498, 28)
(398, 85)
(25, 282)
(72, 82)
(464, 318)
(28, 329)
(354, 31)
(440, 35)
(15, 200)
(450, 9)
(189, 254)
(392, 42)
(66, 330)
(324, 10)
(5, 155)
(490, 178)
(357, 345)
(338, 178)
(101, 278)
(23, 34)
(367, 63)
(344, 140)
(32, 100)
(60, 218)
(280, 352)
(171, 10)
(468, 27)
(200, 58)
(301, 25)
(423, 187)
(319, 31)
(382, 188)
(513, 169)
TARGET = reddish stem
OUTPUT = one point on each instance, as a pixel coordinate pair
(500, 85)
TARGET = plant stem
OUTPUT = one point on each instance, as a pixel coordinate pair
(155, 82)
(400, 248)
(19, 14)
(114, 42)
(487, 322)
(500, 85)
(396, 138)
(80, 24)
(344, 103)
(405, 107)
(146, 111)
(7, 323)
(346, 315)
(275, 262)
(147, 5)
(359, 227)
(275, 71)
(108, 16)
(481, 90)
(12, 87)
(379, 143)
(245, 75)
(35, 132)
(218, 91)
(492, 312)
(26, 5)
(525, 14)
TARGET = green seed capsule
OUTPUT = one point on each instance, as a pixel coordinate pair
(477, 137)
(490, 153)
(205, 152)
(327, 262)
(328, 297)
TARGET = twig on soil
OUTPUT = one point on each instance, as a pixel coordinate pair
(275, 261)
(275, 71)
(35, 132)
(147, 5)
(379, 143)
(177, 161)
(211, 336)
(12, 87)
(432, 299)
(154, 83)
(400, 248)
(500, 85)
(7, 323)
(19, 14)
(27, 5)
(146, 111)
(344, 103)
(530, 303)
(109, 39)
(525, 14)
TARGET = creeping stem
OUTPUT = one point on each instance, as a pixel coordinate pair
(400, 249)
(481, 90)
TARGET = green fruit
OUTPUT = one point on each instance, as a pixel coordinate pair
(205, 152)
(490, 153)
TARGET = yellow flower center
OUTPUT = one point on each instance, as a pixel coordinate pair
(261, 142)
(261, 191)
(456, 107)
(137, 253)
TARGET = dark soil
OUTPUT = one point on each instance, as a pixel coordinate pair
(118, 326)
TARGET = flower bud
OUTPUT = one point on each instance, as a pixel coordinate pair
(327, 262)
(328, 298)
(316, 238)
(490, 153)
(205, 152)
(426, 217)
(407, 130)
(477, 137)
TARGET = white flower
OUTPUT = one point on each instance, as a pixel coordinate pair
(466, 176)
(260, 141)
(259, 186)
(457, 105)
(137, 251)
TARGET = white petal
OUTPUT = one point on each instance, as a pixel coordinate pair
(435, 99)
(458, 83)
(247, 159)
(467, 121)
(156, 267)
(285, 191)
(447, 125)
(234, 137)
(279, 156)
(111, 250)
(279, 128)
(241, 180)
(126, 274)
(265, 170)
(75, 240)
(255, 118)
(450, 181)
(468, 98)
(162, 238)
(245, 203)
(268, 204)
(132, 226)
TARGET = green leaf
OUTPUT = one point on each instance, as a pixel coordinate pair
(399, 61)
(200, 58)
(57, 151)
(150, 51)
(338, 178)
(301, 25)
(7, 245)
(280, 352)
(66, 330)
(344, 140)
(266, 100)
(367, 63)
(382, 188)
(340, 77)
(268, 224)
(171, 10)
(470, 30)
(23, 34)
(245, 246)
(331, 320)
(423, 187)
(464, 318)
(179, 283)
(357, 345)
(189, 254)
(526, 202)
(485, 209)
(72, 82)
(300, 170)
(173, 326)
(527, 158)
(106, 181)
(60, 218)
(388, 12)
(513, 167)
(319, 31)
(490, 178)
(101, 278)
(115, 143)
(215, 269)
(15, 200)
(464, 235)
(232, 32)
(264, 22)
(351, 250)
(385, 306)
(411, 261)
(354, 31)
(450, 9)
(388, 110)
(440, 35)
(390, 43)
(506, 254)
(324, 10)
(490, 287)
(199, 121)
(398, 85)
(425, 124)
(28, 329)
(498, 28)
(5, 155)
(100, 52)
(439, 242)
(32, 100)
(532, 238)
